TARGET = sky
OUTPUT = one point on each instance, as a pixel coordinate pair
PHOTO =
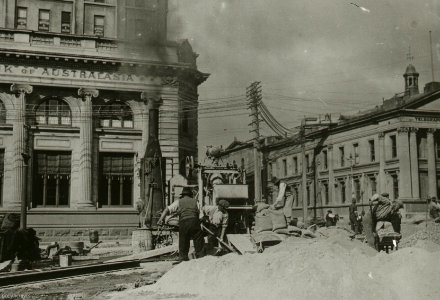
(311, 56)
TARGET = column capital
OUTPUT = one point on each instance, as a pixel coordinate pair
(413, 129)
(403, 130)
(381, 134)
(86, 92)
(432, 130)
(330, 146)
(153, 101)
(21, 88)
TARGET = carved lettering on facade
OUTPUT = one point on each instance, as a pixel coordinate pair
(428, 119)
(68, 73)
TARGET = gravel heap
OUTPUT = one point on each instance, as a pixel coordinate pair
(331, 267)
(427, 232)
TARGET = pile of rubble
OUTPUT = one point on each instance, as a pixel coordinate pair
(429, 231)
(330, 266)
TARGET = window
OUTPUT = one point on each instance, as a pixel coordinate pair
(357, 189)
(2, 113)
(343, 191)
(99, 25)
(326, 194)
(51, 178)
(65, 21)
(43, 20)
(325, 159)
(296, 195)
(185, 121)
(308, 194)
(356, 153)
(285, 167)
(393, 146)
(437, 144)
(342, 156)
(139, 27)
(372, 150)
(373, 184)
(295, 165)
(422, 136)
(21, 18)
(274, 169)
(308, 169)
(53, 112)
(395, 186)
(115, 115)
(2, 173)
(116, 179)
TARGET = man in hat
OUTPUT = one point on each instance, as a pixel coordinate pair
(187, 209)
(386, 210)
(216, 219)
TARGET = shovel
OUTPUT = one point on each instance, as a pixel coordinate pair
(218, 239)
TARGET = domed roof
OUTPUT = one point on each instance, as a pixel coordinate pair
(410, 69)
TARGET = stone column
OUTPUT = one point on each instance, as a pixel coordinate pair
(414, 158)
(405, 182)
(432, 176)
(331, 175)
(86, 140)
(381, 185)
(20, 155)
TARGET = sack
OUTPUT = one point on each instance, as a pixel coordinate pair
(278, 219)
(262, 206)
(263, 222)
(172, 220)
(11, 222)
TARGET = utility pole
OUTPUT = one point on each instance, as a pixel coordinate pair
(432, 59)
(253, 95)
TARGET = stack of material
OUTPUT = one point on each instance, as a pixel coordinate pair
(268, 219)
(333, 267)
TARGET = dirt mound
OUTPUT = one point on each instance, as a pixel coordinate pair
(332, 267)
(427, 231)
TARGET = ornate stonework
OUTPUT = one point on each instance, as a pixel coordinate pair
(21, 88)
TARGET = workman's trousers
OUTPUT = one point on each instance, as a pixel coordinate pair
(189, 229)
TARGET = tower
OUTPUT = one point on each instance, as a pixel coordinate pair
(411, 78)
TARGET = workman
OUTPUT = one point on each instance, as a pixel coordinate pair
(434, 209)
(331, 219)
(216, 219)
(355, 217)
(282, 201)
(189, 225)
(386, 210)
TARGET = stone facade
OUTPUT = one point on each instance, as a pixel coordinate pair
(392, 148)
(75, 80)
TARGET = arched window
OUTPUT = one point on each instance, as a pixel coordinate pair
(53, 111)
(2, 113)
(116, 115)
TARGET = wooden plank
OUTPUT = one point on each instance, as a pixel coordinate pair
(147, 254)
(242, 242)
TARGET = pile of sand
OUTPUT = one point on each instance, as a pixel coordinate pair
(332, 267)
(427, 231)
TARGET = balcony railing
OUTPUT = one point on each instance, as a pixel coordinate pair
(59, 44)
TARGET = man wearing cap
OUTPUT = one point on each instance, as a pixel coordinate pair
(355, 217)
(189, 225)
(217, 218)
(331, 219)
(385, 210)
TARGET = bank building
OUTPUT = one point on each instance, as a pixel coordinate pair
(77, 79)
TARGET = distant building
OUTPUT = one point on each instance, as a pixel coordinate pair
(392, 148)
(75, 80)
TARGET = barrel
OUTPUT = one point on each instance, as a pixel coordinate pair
(141, 240)
(65, 260)
(94, 236)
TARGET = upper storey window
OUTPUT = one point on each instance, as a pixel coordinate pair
(43, 20)
(99, 25)
(53, 112)
(116, 115)
(21, 18)
(2, 113)
(65, 21)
